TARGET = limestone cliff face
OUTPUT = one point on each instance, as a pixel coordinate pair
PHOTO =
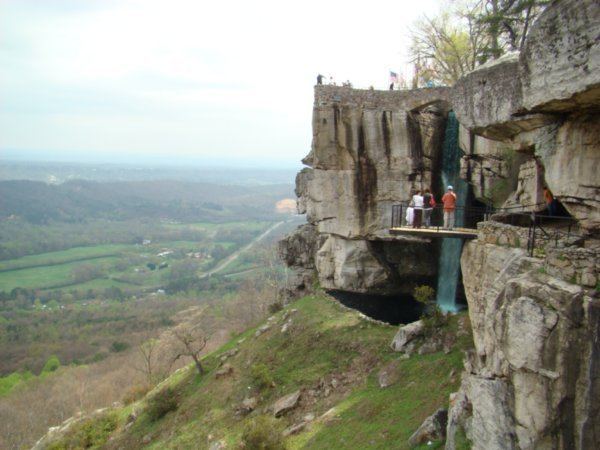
(537, 113)
(533, 381)
(370, 148)
(526, 121)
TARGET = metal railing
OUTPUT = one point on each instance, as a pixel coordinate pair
(542, 228)
(538, 231)
(403, 215)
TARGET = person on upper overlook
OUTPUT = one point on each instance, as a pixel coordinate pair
(449, 201)
(429, 203)
(319, 79)
(417, 204)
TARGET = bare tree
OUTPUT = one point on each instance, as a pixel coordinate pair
(191, 342)
(148, 362)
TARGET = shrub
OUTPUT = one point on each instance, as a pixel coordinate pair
(51, 365)
(261, 376)
(90, 433)
(275, 307)
(161, 403)
(263, 433)
(135, 393)
(118, 346)
(433, 319)
(461, 440)
(424, 294)
(97, 357)
(433, 316)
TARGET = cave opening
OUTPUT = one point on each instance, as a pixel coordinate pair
(392, 309)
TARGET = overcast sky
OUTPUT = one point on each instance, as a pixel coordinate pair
(217, 82)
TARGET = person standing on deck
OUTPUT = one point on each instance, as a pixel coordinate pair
(429, 203)
(449, 201)
(417, 202)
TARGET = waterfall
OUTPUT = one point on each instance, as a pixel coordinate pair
(449, 264)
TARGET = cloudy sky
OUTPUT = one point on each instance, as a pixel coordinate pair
(213, 82)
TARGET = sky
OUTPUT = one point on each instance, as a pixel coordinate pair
(207, 82)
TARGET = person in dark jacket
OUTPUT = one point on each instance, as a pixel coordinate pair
(428, 204)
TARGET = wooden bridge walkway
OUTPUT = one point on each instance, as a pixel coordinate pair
(435, 232)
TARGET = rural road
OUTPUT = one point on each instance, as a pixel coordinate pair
(231, 258)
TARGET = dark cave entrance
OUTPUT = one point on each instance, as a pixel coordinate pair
(392, 309)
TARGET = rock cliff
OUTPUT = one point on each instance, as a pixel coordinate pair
(527, 121)
(533, 380)
(532, 120)
(369, 150)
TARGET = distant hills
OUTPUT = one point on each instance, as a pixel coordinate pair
(59, 172)
(80, 200)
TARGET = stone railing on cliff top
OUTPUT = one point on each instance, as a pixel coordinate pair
(377, 99)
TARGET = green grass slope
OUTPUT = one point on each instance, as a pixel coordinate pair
(330, 353)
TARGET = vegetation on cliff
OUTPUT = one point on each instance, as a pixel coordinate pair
(331, 355)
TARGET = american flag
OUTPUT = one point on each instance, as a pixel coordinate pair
(393, 77)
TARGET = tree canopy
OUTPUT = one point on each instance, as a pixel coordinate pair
(466, 34)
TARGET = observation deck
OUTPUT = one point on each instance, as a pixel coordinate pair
(403, 217)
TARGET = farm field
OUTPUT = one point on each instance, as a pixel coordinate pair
(250, 225)
(127, 266)
(48, 276)
(63, 256)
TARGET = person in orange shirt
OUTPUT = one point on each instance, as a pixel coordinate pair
(449, 201)
(550, 201)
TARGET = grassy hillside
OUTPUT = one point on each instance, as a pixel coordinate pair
(329, 353)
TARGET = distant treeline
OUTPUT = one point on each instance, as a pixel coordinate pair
(79, 200)
(19, 238)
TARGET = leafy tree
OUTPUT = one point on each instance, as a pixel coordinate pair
(86, 272)
(51, 365)
(53, 304)
(506, 22)
(467, 34)
(118, 346)
(446, 47)
(424, 294)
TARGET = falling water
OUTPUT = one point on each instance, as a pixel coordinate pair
(449, 264)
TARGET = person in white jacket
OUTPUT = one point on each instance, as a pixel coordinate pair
(417, 203)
